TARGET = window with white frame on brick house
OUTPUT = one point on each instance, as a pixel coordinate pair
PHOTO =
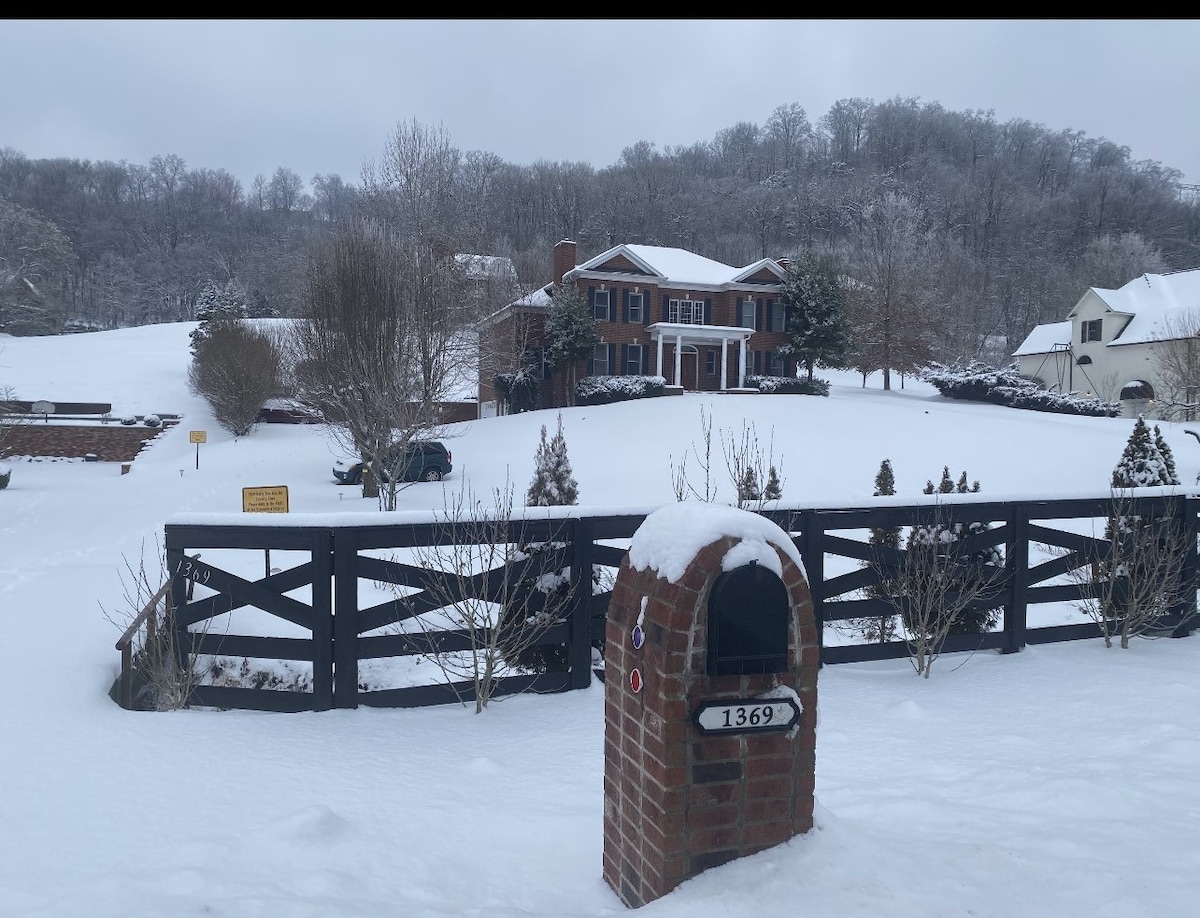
(1090, 330)
(746, 314)
(685, 312)
(710, 362)
(600, 360)
(600, 302)
(636, 307)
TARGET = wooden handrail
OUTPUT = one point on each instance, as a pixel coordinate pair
(127, 637)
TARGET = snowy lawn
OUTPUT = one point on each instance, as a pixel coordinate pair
(1060, 781)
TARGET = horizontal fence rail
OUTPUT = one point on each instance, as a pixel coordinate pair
(1040, 558)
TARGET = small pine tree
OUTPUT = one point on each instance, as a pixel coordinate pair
(774, 489)
(1172, 474)
(553, 482)
(1142, 463)
(969, 621)
(882, 628)
(747, 486)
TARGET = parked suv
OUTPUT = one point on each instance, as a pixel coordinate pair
(423, 460)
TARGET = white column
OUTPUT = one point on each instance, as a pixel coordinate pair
(724, 363)
(679, 360)
(742, 364)
(659, 363)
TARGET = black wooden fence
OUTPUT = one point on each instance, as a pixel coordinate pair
(339, 634)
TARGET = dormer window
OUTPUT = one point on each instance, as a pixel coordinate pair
(1090, 330)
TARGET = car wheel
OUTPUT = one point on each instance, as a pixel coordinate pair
(432, 475)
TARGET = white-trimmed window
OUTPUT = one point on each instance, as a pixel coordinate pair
(746, 314)
(635, 307)
(775, 365)
(685, 312)
(600, 310)
(633, 360)
(600, 360)
(710, 362)
(1090, 331)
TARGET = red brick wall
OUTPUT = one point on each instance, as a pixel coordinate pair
(677, 802)
(110, 442)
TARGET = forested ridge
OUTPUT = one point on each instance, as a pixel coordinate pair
(970, 229)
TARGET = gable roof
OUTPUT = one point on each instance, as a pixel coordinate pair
(1159, 304)
(674, 266)
(1044, 339)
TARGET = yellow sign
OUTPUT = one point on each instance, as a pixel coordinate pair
(198, 436)
(273, 499)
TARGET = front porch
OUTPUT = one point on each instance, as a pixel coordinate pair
(686, 355)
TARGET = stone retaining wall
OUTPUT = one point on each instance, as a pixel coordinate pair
(109, 442)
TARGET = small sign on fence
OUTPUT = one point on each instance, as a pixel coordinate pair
(272, 499)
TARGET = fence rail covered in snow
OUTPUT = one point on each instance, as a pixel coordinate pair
(353, 595)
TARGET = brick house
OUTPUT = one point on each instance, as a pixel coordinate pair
(702, 325)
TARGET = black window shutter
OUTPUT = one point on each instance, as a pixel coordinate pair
(624, 360)
(708, 311)
(665, 298)
(645, 360)
(758, 315)
(624, 305)
(613, 369)
(646, 309)
(591, 367)
(592, 301)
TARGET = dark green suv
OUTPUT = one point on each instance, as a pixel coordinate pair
(423, 460)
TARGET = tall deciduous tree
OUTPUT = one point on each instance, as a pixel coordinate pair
(894, 309)
(817, 328)
(371, 354)
(34, 263)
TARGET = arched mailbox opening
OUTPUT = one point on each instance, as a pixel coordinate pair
(748, 615)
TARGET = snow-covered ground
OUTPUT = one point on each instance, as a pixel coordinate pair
(1060, 781)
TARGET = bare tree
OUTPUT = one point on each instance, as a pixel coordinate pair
(496, 594)
(753, 473)
(1177, 366)
(890, 297)
(935, 583)
(376, 352)
(1135, 584)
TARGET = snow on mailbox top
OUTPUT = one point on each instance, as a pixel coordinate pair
(672, 536)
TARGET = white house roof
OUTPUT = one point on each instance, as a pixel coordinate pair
(678, 265)
(1043, 338)
(537, 299)
(1161, 306)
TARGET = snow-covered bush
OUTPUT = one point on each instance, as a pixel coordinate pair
(129, 420)
(788, 385)
(152, 420)
(977, 382)
(604, 390)
(5, 476)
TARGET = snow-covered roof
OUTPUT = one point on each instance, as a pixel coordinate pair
(537, 299)
(677, 265)
(1043, 338)
(1161, 306)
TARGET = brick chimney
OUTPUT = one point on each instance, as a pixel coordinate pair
(564, 259)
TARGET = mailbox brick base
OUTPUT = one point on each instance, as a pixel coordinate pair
(678, 801)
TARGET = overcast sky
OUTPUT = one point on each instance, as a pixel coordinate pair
(322, 96)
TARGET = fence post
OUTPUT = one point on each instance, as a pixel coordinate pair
(813, 554)
(180, 635)
(1187, 509)
(580, 650)
(1016, 609)
(345, 618)
(322, 620)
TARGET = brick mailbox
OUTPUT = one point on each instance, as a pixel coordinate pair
(710, 698)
